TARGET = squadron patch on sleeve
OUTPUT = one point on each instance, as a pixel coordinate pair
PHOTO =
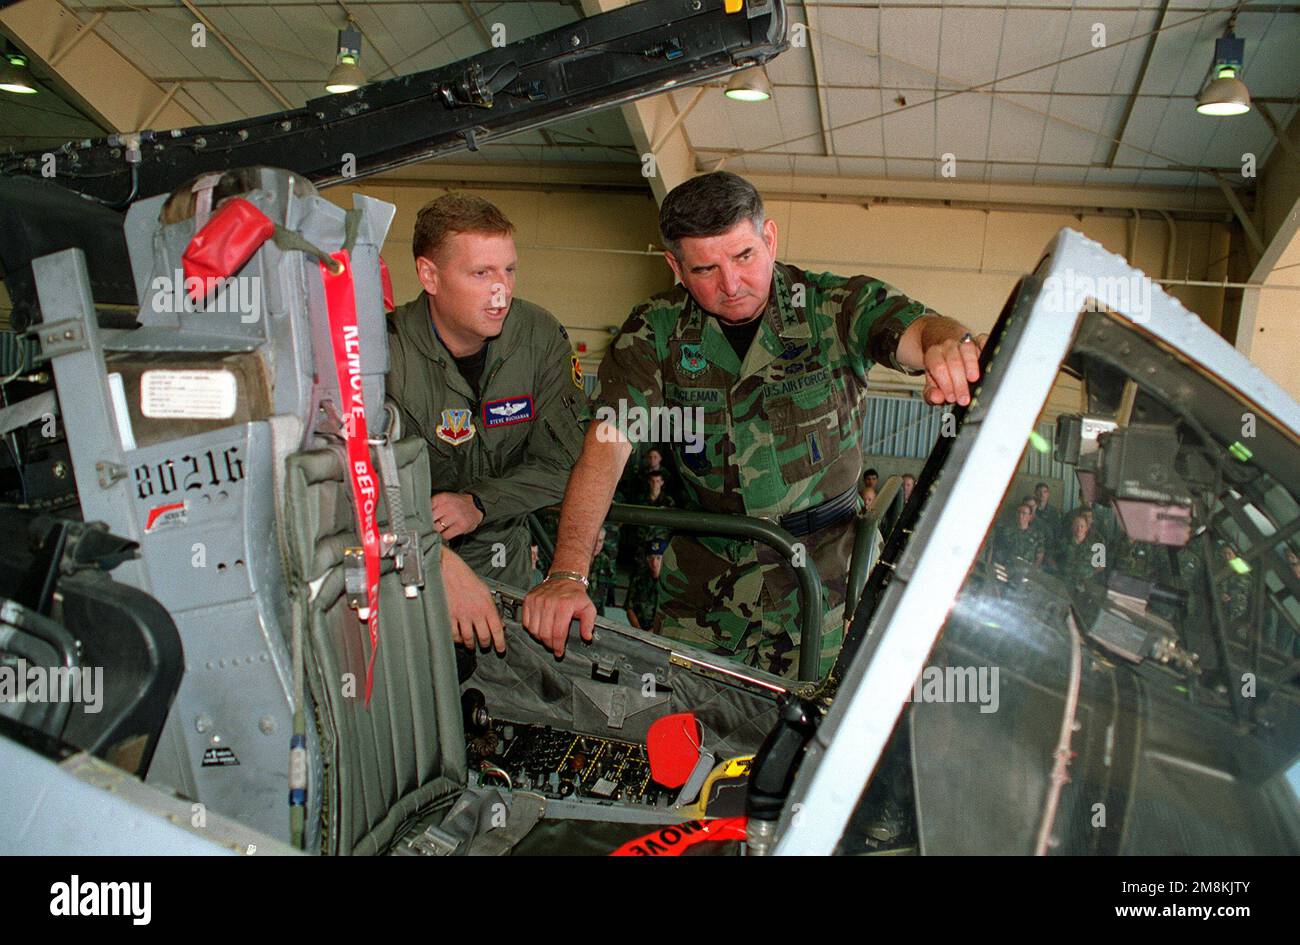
(577, 373)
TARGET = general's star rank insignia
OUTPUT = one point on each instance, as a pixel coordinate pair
(693, 359)
(457, 427)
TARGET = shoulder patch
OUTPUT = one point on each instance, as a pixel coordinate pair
(577, 372)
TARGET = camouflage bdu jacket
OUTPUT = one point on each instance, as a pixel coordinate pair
(514, 446)
(781, 433)
(1013, 546)
(643, 595)
(1077, 562)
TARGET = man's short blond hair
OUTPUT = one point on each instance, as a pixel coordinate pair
(456, 213)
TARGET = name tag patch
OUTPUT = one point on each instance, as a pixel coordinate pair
(695, 396)
(508, 410)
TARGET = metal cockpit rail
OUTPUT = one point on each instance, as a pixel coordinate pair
(745, 528)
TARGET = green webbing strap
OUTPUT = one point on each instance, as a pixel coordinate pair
(351, 224)
(289, 240)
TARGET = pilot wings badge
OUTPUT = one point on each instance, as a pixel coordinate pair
(508, 410)
(457, 427)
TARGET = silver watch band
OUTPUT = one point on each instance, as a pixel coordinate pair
(569, 576)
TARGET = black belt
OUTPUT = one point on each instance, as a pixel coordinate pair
(829, 513)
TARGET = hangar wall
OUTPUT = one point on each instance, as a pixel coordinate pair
(1276, 328)
(584, 255)
(581, 255)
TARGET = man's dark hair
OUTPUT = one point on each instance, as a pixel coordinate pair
(655, 474)
(871, 472)
(1042, 485)
(708, 205)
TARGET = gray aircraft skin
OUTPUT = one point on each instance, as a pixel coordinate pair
(1149, 708)
(981, 703)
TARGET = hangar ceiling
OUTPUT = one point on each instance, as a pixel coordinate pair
(1093, 94)
(1019, 92)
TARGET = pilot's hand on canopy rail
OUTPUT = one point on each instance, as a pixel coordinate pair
(475, 620)
(948, 353)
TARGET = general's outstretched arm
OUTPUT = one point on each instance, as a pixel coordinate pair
(551, 606)
(934, 344)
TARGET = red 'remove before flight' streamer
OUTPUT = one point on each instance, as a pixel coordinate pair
(341, 302)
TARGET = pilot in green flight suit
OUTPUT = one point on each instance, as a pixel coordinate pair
(491, 384)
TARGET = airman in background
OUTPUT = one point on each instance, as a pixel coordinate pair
(1234, 592)
(1049, 521)
(1019, 544)
(602, 575)
(1076, 557)
(643, 589)
(909, 483)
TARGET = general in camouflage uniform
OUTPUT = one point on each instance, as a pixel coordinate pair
(781, 434)
(771, 361)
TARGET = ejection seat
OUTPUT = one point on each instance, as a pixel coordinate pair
(402, 755)
(216, 436)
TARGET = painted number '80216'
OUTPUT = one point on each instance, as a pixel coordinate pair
(189, 472)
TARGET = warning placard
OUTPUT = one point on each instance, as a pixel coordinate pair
(188, 395)
(219, 757)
